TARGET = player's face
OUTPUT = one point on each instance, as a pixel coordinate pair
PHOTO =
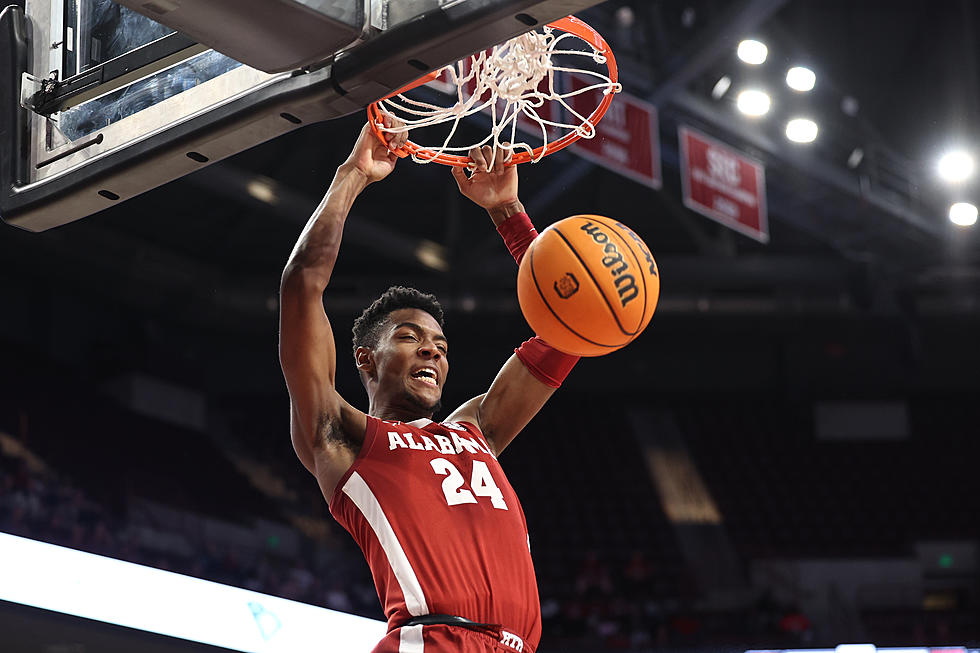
(411, 360)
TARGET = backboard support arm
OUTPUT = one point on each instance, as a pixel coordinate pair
(115, 73)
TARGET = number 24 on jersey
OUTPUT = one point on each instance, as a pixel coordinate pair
(481, 484)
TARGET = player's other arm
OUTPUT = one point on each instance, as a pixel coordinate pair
(529, 378)
(307, 351)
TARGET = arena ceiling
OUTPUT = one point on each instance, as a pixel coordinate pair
(205, 252)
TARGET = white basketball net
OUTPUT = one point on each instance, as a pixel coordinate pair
(513, 73)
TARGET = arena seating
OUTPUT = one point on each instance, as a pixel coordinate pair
(610, 572)
(784, 492)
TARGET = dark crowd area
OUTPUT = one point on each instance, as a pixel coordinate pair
(616, 568)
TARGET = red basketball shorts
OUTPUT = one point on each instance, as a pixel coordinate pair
(450, 639)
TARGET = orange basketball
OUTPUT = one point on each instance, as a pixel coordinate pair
(588, 285)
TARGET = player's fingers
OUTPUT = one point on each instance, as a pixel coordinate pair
(500, 158)
(385, 125)
(487, 157)
(459, 174)
(487, 153)
(398, 139)
(479, 161)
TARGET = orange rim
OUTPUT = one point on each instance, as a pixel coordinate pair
(569, 24)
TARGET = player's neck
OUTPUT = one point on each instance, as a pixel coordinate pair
(396, 413)
(400, 416)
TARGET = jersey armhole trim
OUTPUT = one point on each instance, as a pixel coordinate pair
(477, 432)
(370, 435)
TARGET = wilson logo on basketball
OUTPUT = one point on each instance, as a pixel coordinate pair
(566, 286)
(613, 261)
(643, 248)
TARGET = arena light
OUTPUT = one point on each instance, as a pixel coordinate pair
(869, 648)
(263, 189)
(801, 79)
(625, 17)
(94, 587)
(963, 214)
(753, 52)
(801, 130)
(753, 103)
(956, 166)
(721, 87)
(432, 255)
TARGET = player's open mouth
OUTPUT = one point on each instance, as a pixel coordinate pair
(427, 375)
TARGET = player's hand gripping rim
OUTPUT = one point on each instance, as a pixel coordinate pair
(488, 181)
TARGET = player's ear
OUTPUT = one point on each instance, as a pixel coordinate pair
(364, 359)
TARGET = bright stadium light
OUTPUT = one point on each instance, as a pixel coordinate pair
(262, 189)
(956, 166)
(801, 130)
(801, 79)
(963, 214)
(753, 52)
(93, 587)
(855, 648)
(753, 103)
(721, 87)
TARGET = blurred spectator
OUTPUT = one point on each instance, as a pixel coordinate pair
(637, 576)
(53, 510)
(336, 598)
(593, 579)
(796, 626)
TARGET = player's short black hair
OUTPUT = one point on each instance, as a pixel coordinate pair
(367, 327)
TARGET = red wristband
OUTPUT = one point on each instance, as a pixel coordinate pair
(517, 232)
(544, 362)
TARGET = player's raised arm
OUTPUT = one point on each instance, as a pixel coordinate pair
(529, 377)
(321, 422)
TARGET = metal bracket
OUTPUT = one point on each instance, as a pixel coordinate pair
(54, 95)
(32, 88)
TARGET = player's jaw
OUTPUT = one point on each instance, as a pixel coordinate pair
(423, 386)
(408, 388)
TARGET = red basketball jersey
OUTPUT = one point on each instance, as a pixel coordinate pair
(440, 526)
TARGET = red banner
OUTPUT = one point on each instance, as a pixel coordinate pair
(723, 184)
(627, 138)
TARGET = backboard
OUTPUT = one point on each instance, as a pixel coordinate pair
(101, 101)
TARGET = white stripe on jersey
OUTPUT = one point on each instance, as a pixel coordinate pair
(367, 503)
(410, 640)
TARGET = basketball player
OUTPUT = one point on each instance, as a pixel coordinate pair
(428, 503)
